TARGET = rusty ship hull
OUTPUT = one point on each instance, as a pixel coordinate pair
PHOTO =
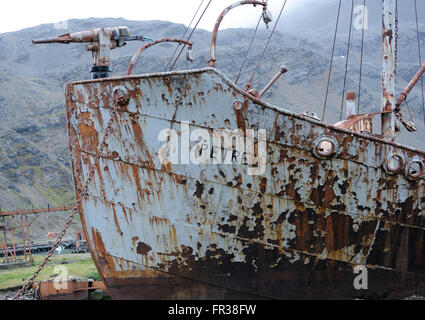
(215, 232)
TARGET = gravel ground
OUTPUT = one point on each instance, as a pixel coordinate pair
(7, 294)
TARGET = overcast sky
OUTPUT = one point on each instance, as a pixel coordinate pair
(20, 14)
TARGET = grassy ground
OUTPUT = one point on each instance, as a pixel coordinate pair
(77, 265)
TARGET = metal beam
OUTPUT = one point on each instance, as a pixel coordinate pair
(388, 69)
(34, 211)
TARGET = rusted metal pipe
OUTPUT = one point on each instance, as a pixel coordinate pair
(13, 238)
(5, 239)
(150, 44)
(388, 69)
(283, 69)
(31, 211)
(351, 104)
(212, 59)
(28, 237)
(409, 87)
(83, 36)
(23, 238)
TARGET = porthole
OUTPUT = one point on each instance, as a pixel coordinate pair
(325, 147)
(394, 163)
(415, 168)
(121, 95)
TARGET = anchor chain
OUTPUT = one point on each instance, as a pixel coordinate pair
(83, 193)
(396, 41)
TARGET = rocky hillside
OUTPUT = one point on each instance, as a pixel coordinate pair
(34, 163)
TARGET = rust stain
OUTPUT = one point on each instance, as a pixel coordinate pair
(199, 190)
(116, 221)
(143, 248)
(89, 135)
(138, 135)
(241, 116)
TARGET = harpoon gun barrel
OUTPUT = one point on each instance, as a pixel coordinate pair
(83, 36)
(410, 86)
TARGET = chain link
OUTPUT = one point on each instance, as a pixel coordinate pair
(396, 40)
(83, 193)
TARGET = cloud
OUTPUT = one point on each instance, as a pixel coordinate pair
(298, 14)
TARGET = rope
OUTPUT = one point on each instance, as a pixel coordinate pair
(361, 58)
(193, 30)
(267, 44)
(246, 54)
(346, 60)
(332, 58)
(174, 53)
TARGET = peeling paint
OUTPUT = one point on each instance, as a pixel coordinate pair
(295, 232)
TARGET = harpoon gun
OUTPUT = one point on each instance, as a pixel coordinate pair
(100, 42)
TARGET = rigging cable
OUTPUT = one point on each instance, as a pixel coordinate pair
(420, 61)
(174, 53)
(193, 30)
(361, 57)
(267, 44)
(346, 60)
(246, 54)
(332, 58)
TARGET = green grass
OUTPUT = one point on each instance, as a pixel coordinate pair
(55, 196)
(77, 265)
(94, 275)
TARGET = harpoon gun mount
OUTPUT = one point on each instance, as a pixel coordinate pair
(100, 42)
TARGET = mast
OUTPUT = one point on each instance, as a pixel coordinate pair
(388, 69)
